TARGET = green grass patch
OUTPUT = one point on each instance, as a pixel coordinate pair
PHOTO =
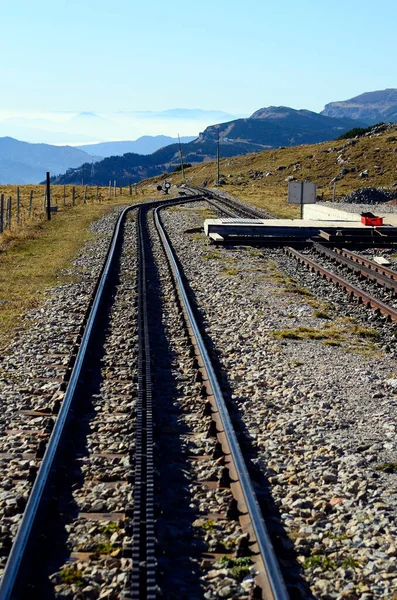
(104, 548)
(72, 576)
(350, 563)
(228, 563)
(110, 528)
(239, 567)
(229, 545)
(319, 560)
(208, 525)
(213, 256)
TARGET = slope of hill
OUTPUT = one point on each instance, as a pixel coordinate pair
(280, 126)
(371, 107)
(146, 144)
(21, 162)
(262, 178)
(267, 128)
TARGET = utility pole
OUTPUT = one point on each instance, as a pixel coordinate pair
(180, 156)
(217, 160)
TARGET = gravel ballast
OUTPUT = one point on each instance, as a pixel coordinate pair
(314, 388)
(318, 403)
(31, 372)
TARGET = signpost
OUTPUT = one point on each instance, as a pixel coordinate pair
(301, 193)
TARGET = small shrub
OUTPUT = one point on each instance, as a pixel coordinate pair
(208, 525)
(71, 575)
(212, 256)
(319, 560)
(104, 548)
(350, 563)
(229, 563)
(357, 132)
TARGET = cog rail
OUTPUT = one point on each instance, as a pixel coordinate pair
(269, 578)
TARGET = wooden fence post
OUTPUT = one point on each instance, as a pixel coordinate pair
(1, 213)
(30, 203)
(85, 195)
(114, 188)
(9, 212)
(109, 188)
(97, 192)
(48, 197)
(121, 190)
(73, 198)
(130, 189)
(18, 207)
(136, 190)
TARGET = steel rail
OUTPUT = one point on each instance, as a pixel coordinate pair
(143, 578)
(359, 293)
(368, 263)
(237, 206)
(357, 267)
(31, 512)
(274, 583)
(20, 544)
(30, 516)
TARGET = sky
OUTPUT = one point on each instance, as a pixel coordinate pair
(128, 55)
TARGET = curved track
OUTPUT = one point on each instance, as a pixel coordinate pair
(143, 585)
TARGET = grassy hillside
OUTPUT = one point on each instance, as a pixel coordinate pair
(35, 253)
(247, 176)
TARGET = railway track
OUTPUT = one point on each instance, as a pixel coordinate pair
(365, 271)
(364, 268)
(229, 206)
(136, 520)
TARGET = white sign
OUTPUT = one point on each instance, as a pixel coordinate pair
(301, 193)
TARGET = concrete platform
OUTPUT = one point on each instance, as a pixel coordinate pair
(306, 228)
(327, 211)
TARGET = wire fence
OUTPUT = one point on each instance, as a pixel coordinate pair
(21, 205)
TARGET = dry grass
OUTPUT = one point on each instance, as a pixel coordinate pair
(315, 162)
(61, 198)
(34, 256)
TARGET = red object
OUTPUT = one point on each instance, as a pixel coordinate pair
(373, 221)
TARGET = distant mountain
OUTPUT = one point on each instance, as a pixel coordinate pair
(279, 126)
(27, 129)
(371, 107)
(143, 145)
(21, 162)
(267, 128)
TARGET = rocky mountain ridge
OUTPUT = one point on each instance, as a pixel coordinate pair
(22, 162)
(370, 107)
(267, 128)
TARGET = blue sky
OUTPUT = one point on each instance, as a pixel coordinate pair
(109, 56)
(127, 54)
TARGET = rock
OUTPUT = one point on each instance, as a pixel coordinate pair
(330, 477)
